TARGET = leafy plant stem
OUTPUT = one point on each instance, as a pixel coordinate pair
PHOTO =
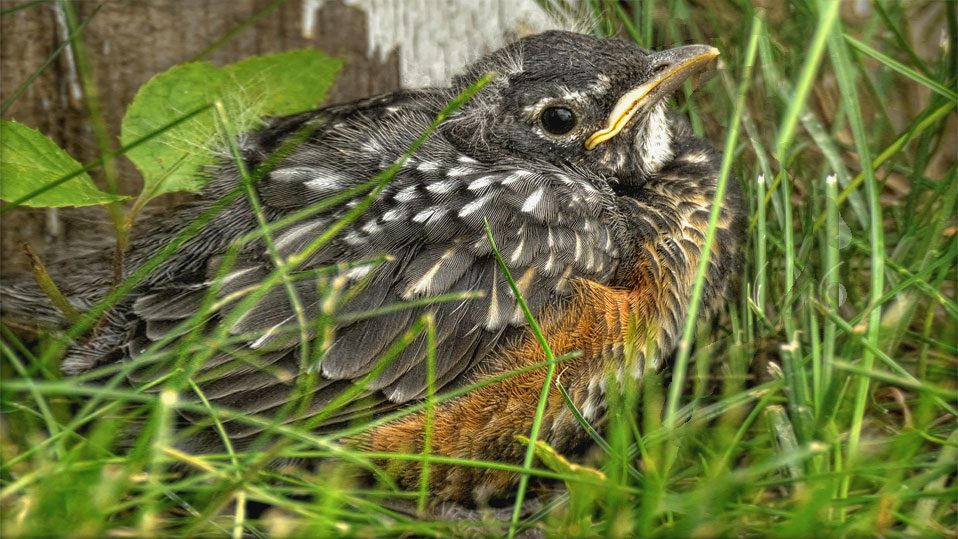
(104, 140)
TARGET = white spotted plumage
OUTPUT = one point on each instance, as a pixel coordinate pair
(532, 201)
(484, 181)
(407, 194)
(474, 206)
(442, 187)
(428, 213)
(394, 214)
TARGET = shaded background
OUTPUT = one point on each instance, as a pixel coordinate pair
(388, 43)
(384, 44)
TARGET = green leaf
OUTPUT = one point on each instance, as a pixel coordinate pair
(891, 63)
(284, 83)
(171, 161)
(36, 172)
(277, 84)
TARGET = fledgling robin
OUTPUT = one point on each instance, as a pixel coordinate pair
(596, 193)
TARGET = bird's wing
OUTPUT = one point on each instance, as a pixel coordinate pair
(551, 226)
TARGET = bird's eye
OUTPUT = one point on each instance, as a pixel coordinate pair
(557, 120)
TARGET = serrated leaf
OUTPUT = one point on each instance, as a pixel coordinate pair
(284, 83)
(171, 161)
(29, 161)
(276, 84)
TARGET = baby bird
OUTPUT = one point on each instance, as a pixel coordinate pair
(597, 195)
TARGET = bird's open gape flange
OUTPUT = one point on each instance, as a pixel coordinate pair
(597, 195)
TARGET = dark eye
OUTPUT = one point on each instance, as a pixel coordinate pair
(557, 120)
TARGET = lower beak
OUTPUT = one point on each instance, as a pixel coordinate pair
(671, 68)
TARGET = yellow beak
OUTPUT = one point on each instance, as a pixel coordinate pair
(676, 66)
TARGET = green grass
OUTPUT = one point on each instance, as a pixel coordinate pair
(823, 403)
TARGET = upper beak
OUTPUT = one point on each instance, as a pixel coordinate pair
(671, 69)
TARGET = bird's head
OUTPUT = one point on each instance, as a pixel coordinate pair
(569, 98)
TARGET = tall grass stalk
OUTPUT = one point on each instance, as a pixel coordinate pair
(823, 402)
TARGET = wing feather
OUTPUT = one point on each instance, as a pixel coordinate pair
(549, 225)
